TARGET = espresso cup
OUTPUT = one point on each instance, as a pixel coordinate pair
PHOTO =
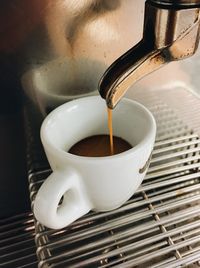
(92, 183)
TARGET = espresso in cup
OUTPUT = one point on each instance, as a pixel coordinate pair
(99, 146)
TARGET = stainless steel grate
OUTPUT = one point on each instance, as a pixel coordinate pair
(17, 245)
(158, 227)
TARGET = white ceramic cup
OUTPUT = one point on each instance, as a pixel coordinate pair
(92, 183)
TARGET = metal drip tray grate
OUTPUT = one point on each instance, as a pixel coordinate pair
(158, 227)
(17, 246)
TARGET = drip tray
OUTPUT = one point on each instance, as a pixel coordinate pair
(17, 246)
(159, 226)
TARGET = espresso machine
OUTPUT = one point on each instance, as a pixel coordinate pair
(52, 52)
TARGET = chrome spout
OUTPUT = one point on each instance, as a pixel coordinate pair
(171, 32)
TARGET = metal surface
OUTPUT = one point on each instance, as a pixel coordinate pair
(158, 227)
(17, 245)
(54, 49)
(177, 3)
(169, 35)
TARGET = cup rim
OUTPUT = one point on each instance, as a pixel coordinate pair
(47, 143)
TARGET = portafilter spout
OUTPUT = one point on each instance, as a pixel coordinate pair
(171, 32)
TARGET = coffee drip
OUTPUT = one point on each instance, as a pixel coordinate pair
(110, 128)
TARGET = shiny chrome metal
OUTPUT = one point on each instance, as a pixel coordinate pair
(170, 34)
(177, 3)
(159, 225)
(17, 246)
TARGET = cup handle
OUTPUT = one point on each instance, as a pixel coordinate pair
(75, 203)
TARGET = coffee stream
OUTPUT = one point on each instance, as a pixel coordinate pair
(101, 145)
(110, 128)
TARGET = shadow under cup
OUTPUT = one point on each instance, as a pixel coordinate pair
(92, 183)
